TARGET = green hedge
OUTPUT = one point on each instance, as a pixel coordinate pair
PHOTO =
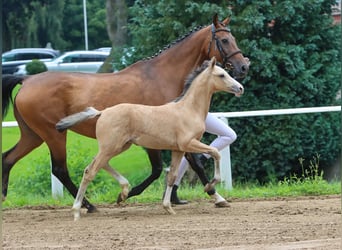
(35, 67)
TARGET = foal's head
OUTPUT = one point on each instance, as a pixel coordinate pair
(221, 80)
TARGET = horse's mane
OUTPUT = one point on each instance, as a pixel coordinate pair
(191, 78)
(174, 42)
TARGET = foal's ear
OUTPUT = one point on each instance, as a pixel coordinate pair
(212, 62)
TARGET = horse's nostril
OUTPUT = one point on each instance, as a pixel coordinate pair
(244, 68)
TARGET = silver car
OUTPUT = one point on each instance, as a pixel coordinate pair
(73, 61)
(15, 57)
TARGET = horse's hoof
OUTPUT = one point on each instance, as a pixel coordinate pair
(222, 204)
(3, 197)
(91, 209)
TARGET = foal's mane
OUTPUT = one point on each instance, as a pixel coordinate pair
(191, 78)
(178, 40)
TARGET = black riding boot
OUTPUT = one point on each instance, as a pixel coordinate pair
(174, 198)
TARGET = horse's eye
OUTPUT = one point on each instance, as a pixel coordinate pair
(225, 40)
(221, 75)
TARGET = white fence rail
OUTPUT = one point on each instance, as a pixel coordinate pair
(226, 174)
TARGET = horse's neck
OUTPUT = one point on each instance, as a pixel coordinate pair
(198, 97)
(183, 57)
(173, 65)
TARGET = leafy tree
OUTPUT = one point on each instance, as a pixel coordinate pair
(73, 24)
(32, 23)
(117, 31)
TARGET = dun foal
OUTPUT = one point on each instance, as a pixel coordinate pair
(177, 126)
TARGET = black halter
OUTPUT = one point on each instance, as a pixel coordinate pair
(223, 55)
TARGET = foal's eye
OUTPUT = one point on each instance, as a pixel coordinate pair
(225, 40)
(221, 75)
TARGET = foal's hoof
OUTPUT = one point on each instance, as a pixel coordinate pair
(208, 187)
(121, 198)
(169, 210)
(222, 204)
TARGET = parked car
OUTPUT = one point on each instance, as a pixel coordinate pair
(73, 61)
(15, 57)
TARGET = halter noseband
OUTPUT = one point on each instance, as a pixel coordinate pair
(223, 55)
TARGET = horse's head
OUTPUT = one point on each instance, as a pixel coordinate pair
(223, 46)
(222, 80)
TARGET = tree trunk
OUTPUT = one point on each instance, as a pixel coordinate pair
(116, 28)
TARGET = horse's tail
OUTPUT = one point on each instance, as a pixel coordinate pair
(74, 119)
(8, 84)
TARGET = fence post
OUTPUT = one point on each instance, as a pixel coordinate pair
(225, 164)
(56, 186)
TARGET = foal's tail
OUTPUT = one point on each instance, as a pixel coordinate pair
(74, 119)
(8, 84)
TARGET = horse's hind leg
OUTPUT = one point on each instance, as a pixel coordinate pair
(157, 167)
(122, 180)
(27, 142)
(10, 157)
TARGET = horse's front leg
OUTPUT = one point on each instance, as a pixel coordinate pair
(171, 178)
(157, 167)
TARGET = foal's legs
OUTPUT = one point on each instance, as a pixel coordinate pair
(171, 178)
(197, 166)
(199, 147)
(122, 180)
(100, 161)
(157, 167)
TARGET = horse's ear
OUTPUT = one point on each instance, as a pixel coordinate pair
(226, 21)
(215, 20)
(212, 62)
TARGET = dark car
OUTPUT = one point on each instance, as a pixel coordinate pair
(13, 58)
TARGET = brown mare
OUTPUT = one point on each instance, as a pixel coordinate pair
(47, 97)
(154, 127)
